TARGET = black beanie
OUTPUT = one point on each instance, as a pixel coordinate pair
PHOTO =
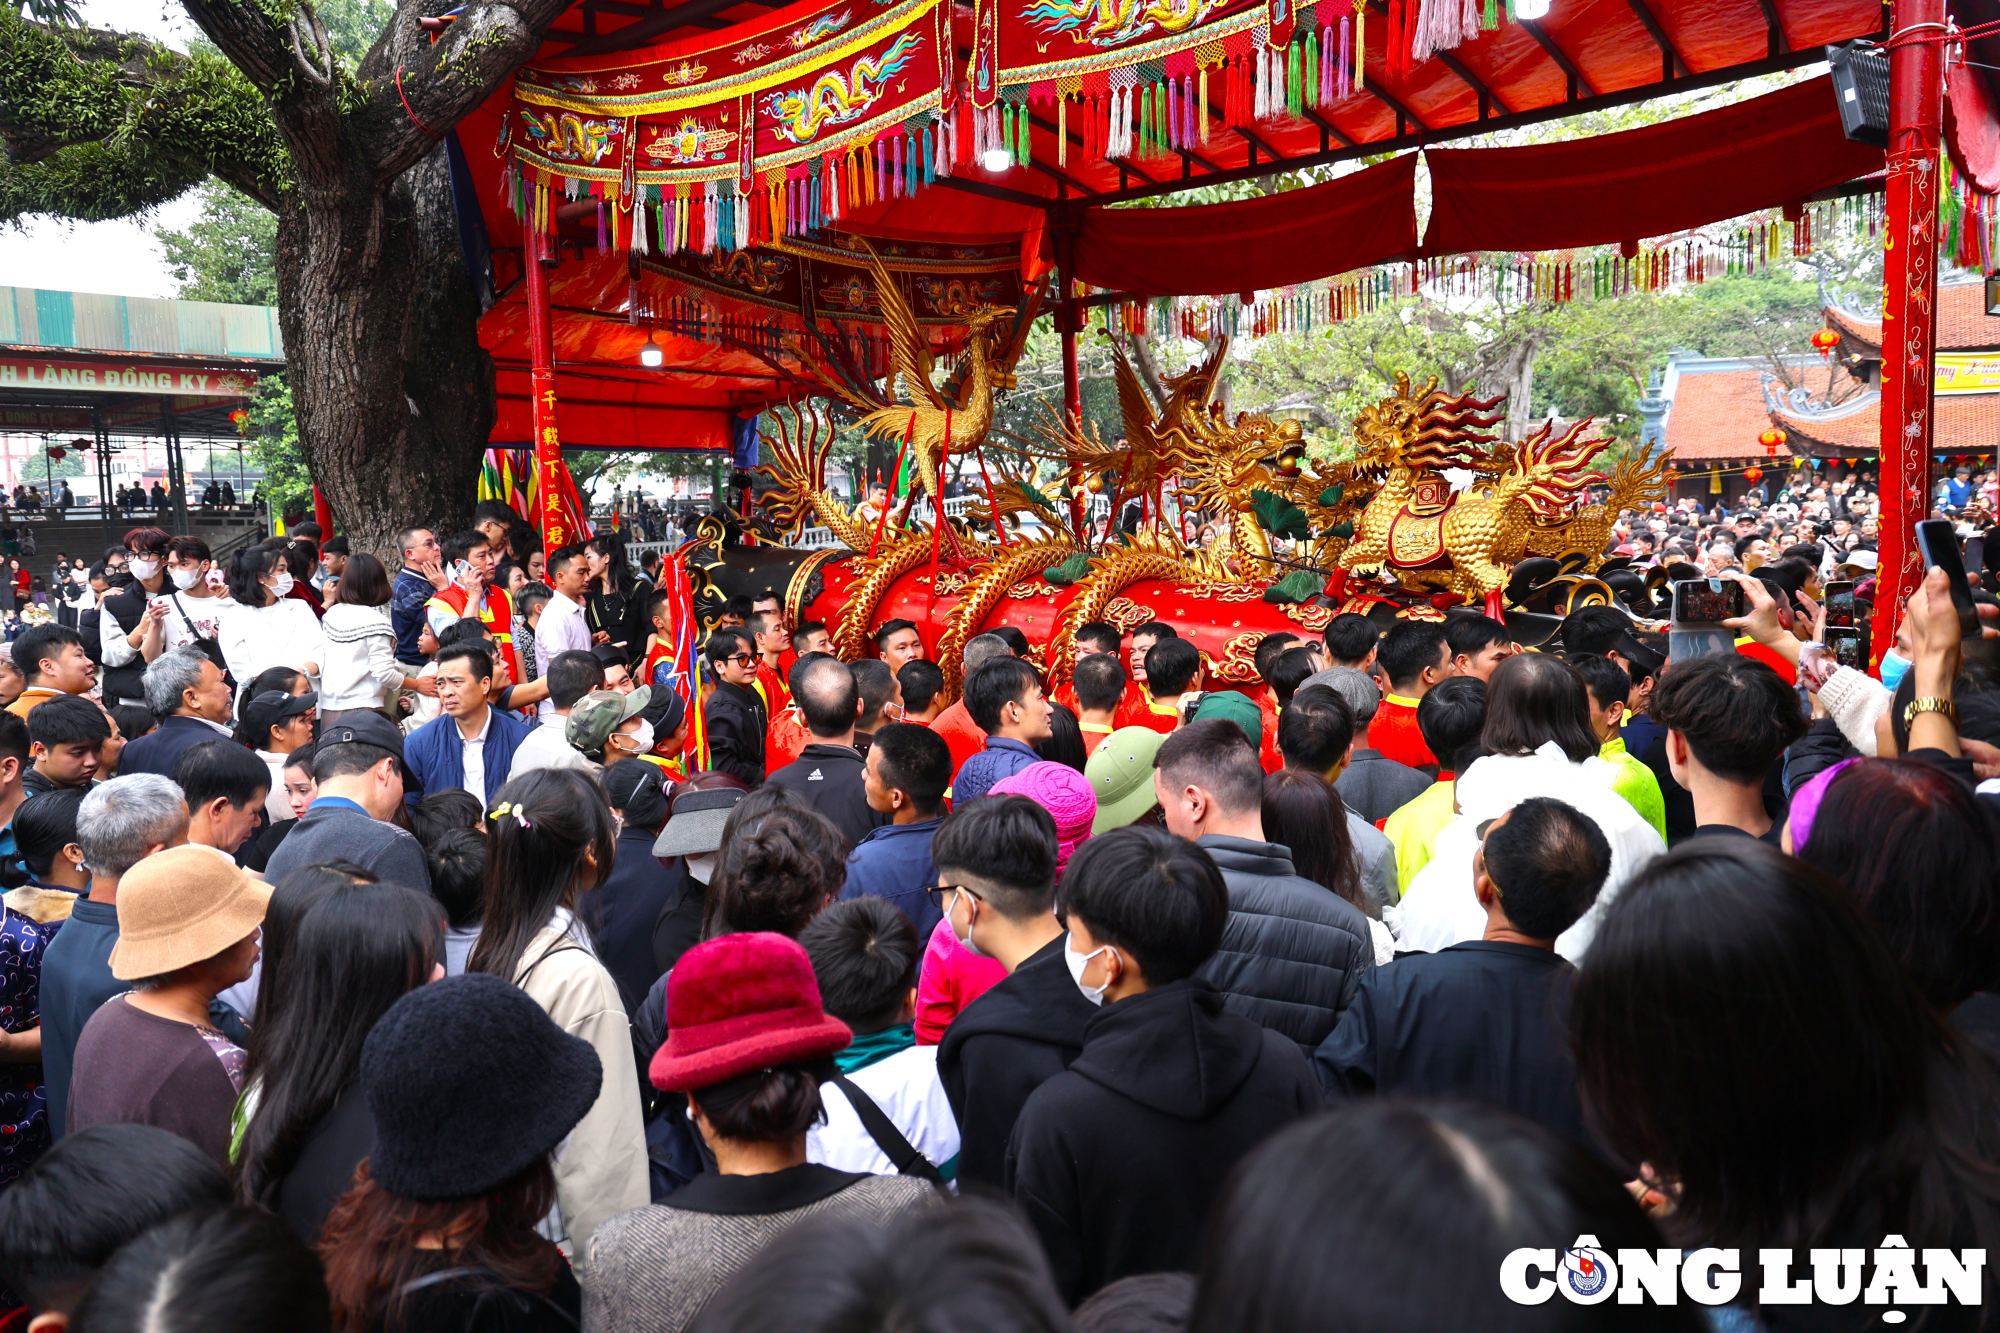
(469, 1082)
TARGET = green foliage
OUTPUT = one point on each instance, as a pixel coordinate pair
(101, 126)
(1039, 498)
(1301, 585)
(353, 25)
(54, 11)
(94, 182)
(226, 254)
(1069, 571)
(38, 466)
(1279, 516)
(274, 447)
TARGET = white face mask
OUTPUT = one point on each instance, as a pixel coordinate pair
(701, 866)
(280, 585)
(143, 569)
(965, 940)
(642, 738)
(184, 578)
(1079, 961)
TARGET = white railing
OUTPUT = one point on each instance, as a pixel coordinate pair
(815, 539)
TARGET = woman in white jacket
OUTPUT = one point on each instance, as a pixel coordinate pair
(552, 839)
(1539, 742)
(264, 628)
(358, 667)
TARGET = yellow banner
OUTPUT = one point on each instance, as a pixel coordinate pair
(1968, 372)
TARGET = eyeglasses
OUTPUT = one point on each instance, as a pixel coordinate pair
(740, 659)
(939, 900)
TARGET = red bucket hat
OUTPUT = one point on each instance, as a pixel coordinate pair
(738, 1003)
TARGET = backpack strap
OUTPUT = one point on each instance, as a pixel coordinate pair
(888, 1138)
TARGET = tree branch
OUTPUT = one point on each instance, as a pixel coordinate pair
(251, 39)
(442, 83)
(117, 123)
(93, 182)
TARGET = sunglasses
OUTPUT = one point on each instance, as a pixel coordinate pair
(741, 659)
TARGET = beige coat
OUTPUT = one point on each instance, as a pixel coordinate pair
(601, 1166)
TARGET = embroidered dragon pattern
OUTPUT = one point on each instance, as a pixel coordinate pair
(569, 135)
(837, 98)
(1106, 23)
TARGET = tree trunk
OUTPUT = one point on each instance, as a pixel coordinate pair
(393, 392)
(1518, 373)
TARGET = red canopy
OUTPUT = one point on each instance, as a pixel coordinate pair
(1248, 244)
(1665, 178)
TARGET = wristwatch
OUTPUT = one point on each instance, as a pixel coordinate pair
(1930, 703)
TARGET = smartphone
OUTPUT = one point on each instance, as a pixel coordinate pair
(459, 569)
(1707, 601)
(1839, 603)
(1939, 545)
(1848, 647)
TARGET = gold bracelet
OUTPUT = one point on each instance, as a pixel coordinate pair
(1930, 704)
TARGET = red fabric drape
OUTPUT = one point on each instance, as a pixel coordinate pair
(1665, 178)
(1218, 249)
(1972, 127)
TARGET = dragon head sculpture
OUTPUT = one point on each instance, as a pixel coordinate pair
(1422, 427)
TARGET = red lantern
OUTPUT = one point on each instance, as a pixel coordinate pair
(240, 419)
(1753, 474)
(1771, 439)
(58, 453)
(1825, 341)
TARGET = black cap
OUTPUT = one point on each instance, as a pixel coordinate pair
(280, 704)
(364, 728)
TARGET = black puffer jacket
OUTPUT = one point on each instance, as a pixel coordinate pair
(1293, 953)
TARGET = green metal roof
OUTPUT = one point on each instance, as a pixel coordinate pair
(30, 317)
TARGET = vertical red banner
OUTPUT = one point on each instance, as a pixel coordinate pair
(550, 516)
(1909, 315)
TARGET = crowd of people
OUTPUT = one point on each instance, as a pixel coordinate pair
(377, 954)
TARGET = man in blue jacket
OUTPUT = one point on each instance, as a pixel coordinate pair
(470, 744)
(422, 574)
(908, 768)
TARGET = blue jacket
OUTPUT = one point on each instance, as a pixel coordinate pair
(894, 862)
(435, 752)
(406, 612)
(160, 750)
(1001, 758)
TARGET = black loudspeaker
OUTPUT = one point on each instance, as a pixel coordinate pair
(1861, 88)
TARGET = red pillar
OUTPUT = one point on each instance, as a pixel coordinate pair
(538, 258)
(1909, 315)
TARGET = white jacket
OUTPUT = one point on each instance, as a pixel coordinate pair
(1440, 908)
(256, 638)
(906, 1086)
(548, 747)
(357, 663)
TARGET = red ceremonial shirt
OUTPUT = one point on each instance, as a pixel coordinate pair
(1394, 733)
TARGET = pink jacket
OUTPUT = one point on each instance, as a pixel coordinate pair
(952, 977)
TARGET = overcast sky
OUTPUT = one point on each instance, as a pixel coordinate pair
(118, 258)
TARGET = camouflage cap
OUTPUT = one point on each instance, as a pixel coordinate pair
(595, 716)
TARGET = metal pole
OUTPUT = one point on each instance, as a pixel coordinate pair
(176, 483)
(1909, 316)
(103, 472)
